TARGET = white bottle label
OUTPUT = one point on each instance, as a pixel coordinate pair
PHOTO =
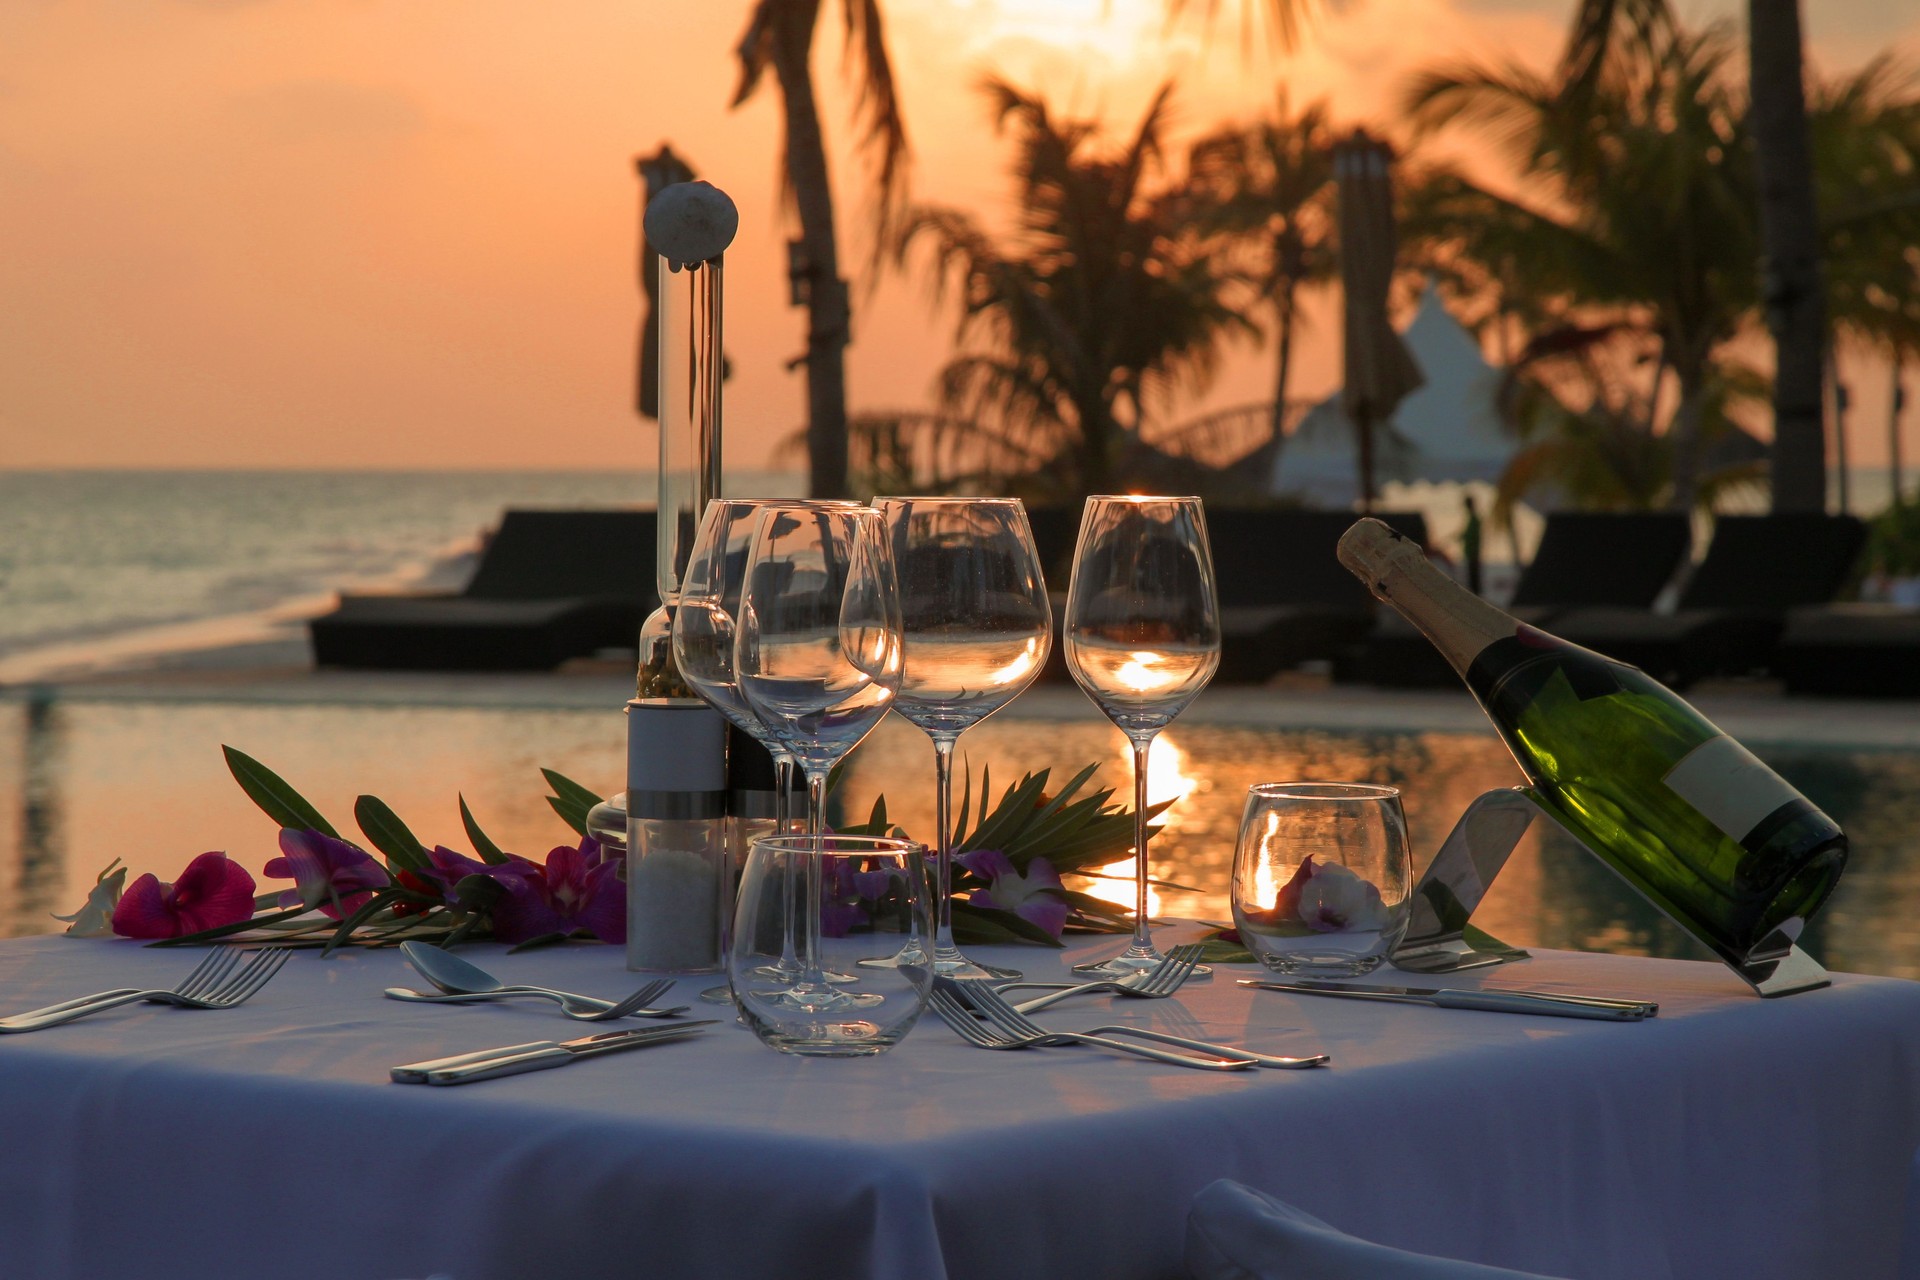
(1729, 785)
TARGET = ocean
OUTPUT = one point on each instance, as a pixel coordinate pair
(115, 566)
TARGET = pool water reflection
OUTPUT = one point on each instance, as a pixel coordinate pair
(82, 783)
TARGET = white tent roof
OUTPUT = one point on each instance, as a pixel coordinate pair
(1449, 429)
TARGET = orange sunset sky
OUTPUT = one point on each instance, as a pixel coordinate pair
(401, 233)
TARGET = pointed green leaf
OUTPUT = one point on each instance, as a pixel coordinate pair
(572, 813)
(567, 789)
(390, 835)
(489, 852)
(287, 807)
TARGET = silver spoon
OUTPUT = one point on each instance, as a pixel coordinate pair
(459, 977)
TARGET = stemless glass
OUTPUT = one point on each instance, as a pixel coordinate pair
(1321, 876)
(1142, 637)
(862, 898)
(817, 656)
(975, 631)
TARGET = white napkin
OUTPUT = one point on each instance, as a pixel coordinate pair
(1237, 1233)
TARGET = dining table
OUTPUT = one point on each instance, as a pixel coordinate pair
(1729, 1136)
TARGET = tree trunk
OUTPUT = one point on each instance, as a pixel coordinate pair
(1283, 305)
(1684, 432)
(826, 292)
(1790, 240)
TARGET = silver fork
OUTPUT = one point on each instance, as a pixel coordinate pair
(989, 1002)
(948, 1003)
(214, 984)
(1157, 985)
(579, 1008)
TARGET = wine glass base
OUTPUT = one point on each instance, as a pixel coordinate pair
(1131, 965)
(816, 998)
(785, 974)
(911, 954)
(961, 967)
(717, 995)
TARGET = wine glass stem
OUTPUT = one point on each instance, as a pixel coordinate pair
(782, 816)
(943, 835)
(782, 793)
(1142, 933)
(811, 973)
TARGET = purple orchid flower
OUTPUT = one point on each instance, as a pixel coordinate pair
(212, 891)
(333, 875)
(578, 888)
(1037, 897)
(841, 890)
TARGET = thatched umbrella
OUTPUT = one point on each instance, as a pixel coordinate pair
(659, 171)
(1379, 372)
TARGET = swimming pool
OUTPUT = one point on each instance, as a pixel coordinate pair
(85, 780)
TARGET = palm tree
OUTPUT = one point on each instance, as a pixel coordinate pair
(1646, 211)
(1787, 211)
(779, 36)
(1095, 307)
(1268, 187)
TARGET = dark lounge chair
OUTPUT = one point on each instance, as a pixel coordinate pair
(1734, 608)
(1851, 650)
(1585, 558)
(1285, 599)
(551, 585)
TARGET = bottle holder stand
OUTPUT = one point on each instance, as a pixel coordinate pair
(1441, 939)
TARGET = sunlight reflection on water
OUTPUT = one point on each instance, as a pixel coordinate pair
(84, 782)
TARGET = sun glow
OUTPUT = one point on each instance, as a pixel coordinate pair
(1167, 780)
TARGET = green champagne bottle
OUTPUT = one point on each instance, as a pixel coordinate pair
(1685, 814)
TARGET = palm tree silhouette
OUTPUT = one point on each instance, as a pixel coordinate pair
(1099, 303)
(1268, 187)
(779, 37)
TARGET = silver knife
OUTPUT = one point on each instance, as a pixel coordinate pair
(484, 1064)
(1490, 1001)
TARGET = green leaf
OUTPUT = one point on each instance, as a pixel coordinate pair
(368, 910)
(567, 789)
(544, 940)
(477, 894)
(276, 799)
(489, 852)
(1021, 929)
(227, 930)
(574, 815)
(389, 834)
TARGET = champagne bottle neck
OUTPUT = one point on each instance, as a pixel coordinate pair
(1459, 623)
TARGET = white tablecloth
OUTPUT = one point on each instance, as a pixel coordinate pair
(1728, 1137)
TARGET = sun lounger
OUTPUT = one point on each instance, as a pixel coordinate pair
(1284, 597)
(551, 585)
(1585, 558)
(1733, 609)
(1851, 650)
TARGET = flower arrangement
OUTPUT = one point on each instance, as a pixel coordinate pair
(1007, 877)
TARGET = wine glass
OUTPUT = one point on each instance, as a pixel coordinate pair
(703, 622)
(817, 657)
(1142, 636)
(975, 631)
(703, 638)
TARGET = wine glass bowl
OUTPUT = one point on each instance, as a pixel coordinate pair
(976, 627)
(817, 649)
(1142, 639)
